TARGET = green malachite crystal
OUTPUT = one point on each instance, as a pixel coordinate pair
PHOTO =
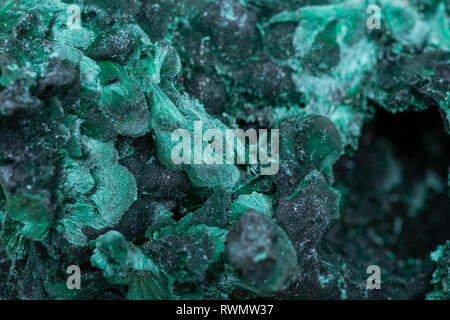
(91, 92)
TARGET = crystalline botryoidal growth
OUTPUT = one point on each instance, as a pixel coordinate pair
(91, 93)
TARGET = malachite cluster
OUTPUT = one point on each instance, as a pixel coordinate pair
(91, 91)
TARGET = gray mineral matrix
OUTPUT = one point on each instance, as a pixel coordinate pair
(93, 205)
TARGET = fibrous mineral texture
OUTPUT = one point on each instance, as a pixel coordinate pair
(91, 91)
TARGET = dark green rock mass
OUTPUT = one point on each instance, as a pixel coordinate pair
(91, 92)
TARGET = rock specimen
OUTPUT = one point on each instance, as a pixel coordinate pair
(91, 91)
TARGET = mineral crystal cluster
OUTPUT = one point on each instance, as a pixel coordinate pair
(91, 91)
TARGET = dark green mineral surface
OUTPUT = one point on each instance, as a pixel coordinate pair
(91, 91)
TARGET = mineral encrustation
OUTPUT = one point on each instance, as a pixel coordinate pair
(91, 91)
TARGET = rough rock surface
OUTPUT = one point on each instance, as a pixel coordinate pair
(88, 103)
